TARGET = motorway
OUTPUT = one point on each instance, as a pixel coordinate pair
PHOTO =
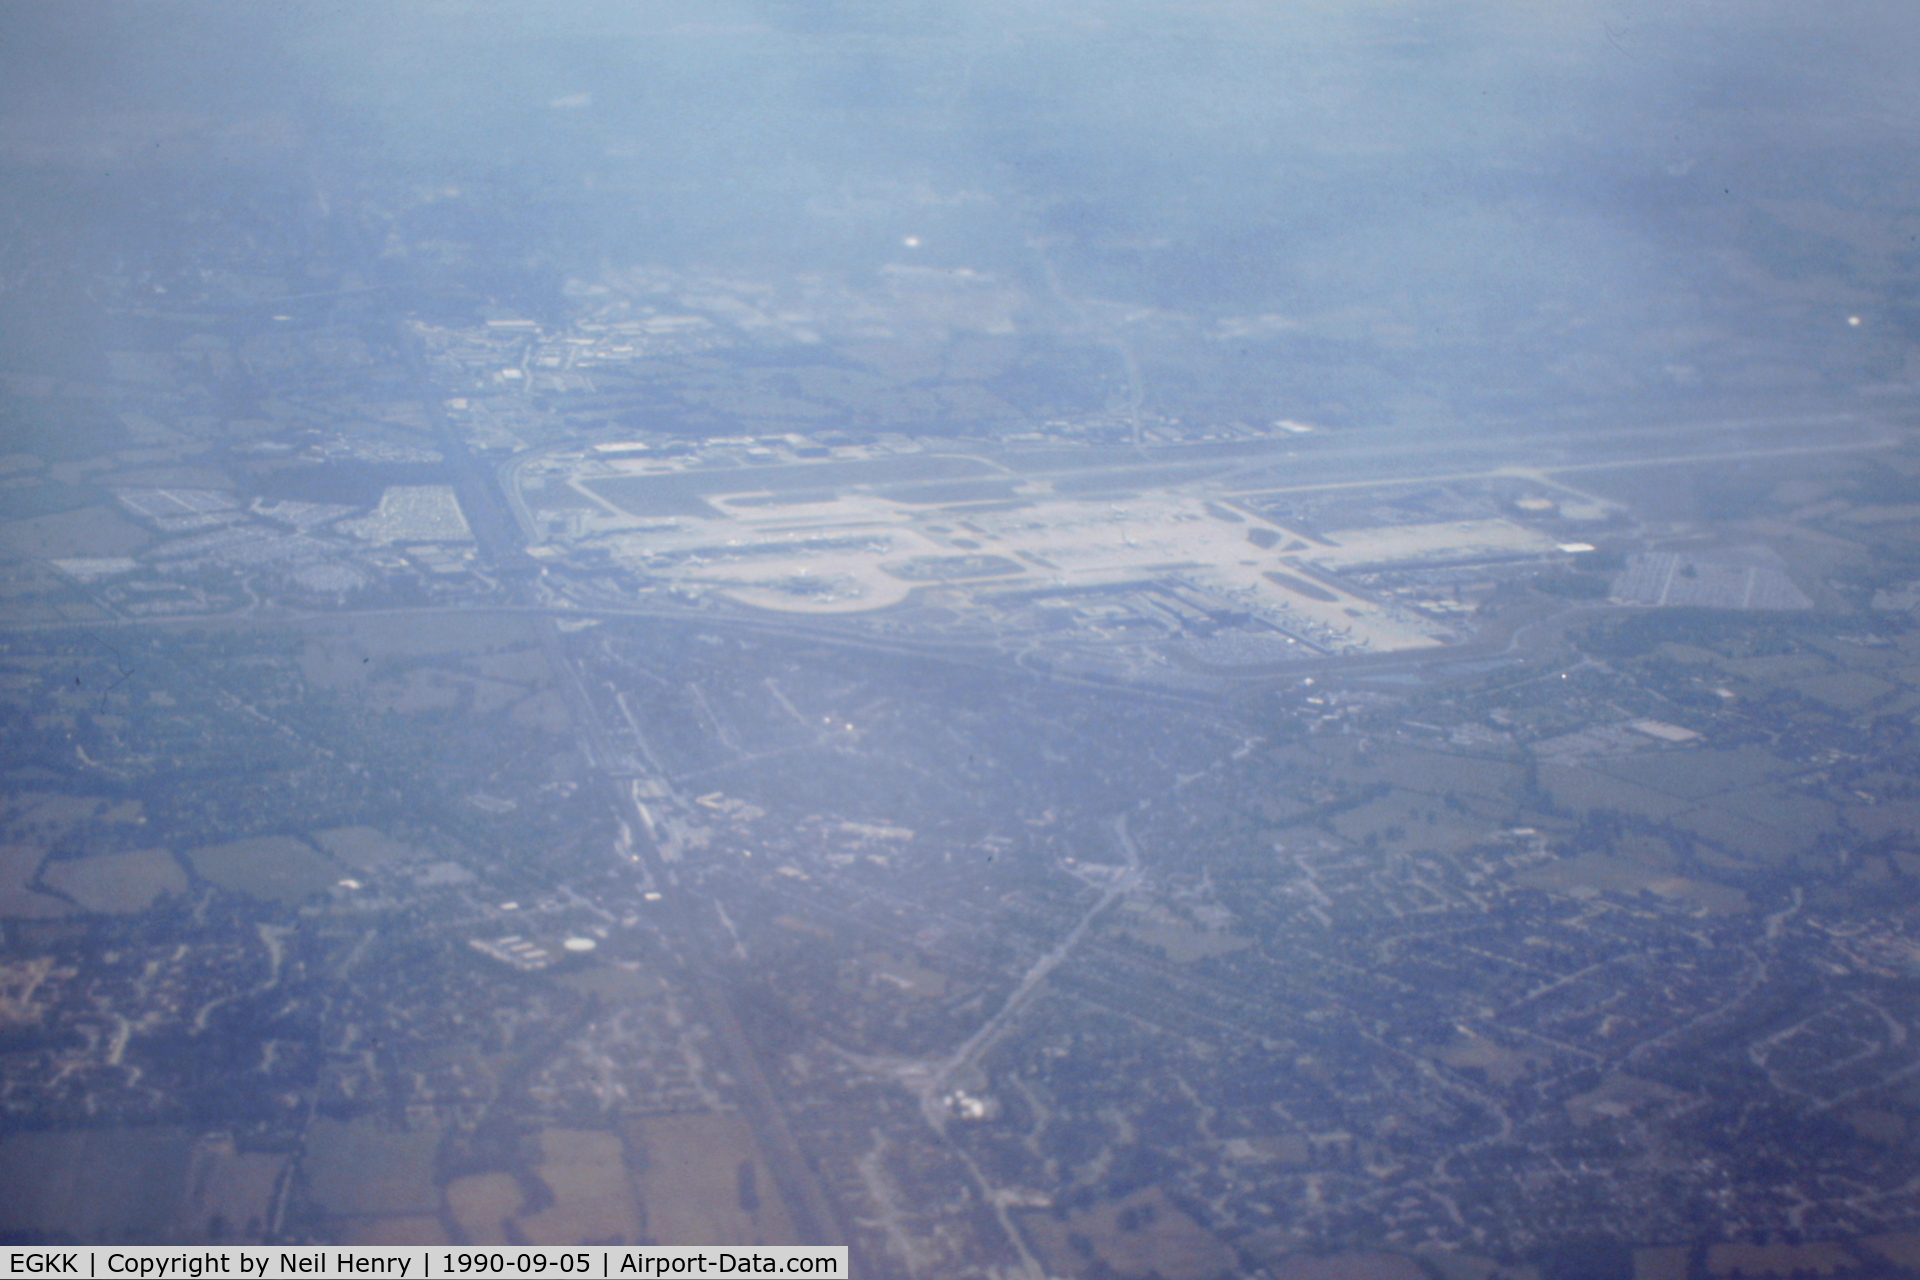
(503, 546)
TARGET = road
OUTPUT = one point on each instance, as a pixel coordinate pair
(501, 541)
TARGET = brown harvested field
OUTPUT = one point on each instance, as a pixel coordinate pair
(1876, 1125)
(117, 882)
(1662, 1262)
(1445, 1264)
(1145, 1234)
(1349, 1266)
(267, 867)
(407, 1229)
(93, 1186)
(364, 1168)
(703, 1181)
(1902, 1249)
(481, 1204)
(229, 1193)
(593, 1200)
(1816, 1258)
